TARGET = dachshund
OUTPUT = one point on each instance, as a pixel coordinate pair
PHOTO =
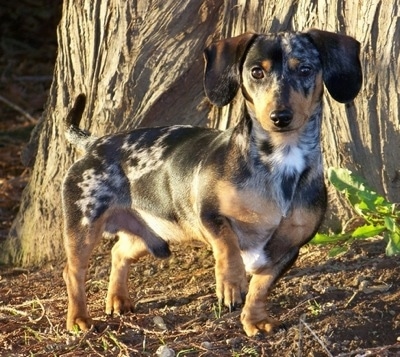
(255, 193)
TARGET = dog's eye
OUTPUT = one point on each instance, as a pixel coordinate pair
(305, 70)
(257, 73)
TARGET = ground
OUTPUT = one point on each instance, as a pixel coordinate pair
(342, 306)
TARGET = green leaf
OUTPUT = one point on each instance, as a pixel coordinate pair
(367, 231)
(390, 224)
(380, 215)
(344, 181)
(363, 198)
(334, 252)
(321, 238)
(393, 246)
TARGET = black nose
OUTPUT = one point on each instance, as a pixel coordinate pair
(281, 118)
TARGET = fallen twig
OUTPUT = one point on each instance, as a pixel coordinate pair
(42, 314)
(351, 299)
(303, 322)
(371, 351)
(15, 311)
(18, 109)
(285, 316)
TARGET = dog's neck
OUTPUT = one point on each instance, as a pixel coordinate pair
(279, 159)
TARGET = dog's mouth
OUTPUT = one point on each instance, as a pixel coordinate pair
(284, 130)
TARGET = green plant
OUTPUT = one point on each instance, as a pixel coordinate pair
(75, 330)
(314, 307)
(184, 352)
(217, 310)
(246, 351)
(380, 216)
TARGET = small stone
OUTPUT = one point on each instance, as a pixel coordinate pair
(159, 322)
(165, 351)
(70, 340)
(363, 286)
(233, 342)
(207, 345)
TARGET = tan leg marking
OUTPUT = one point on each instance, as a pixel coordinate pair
(254, 316)
(230, 274)
(79, 246)
(283, 247)
(127, 250)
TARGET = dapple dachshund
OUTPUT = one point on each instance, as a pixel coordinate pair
(255, 192)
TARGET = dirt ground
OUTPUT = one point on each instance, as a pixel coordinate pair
(343, 306)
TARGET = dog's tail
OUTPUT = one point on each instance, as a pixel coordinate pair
(76, 136)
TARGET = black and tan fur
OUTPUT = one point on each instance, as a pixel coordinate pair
(255, 193)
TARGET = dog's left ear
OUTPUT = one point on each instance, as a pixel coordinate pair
(340, 63)
(224, 60)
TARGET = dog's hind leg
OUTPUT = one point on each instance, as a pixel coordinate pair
(79, 244)
(135, 240)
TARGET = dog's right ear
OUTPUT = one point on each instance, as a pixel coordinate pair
(224, 60)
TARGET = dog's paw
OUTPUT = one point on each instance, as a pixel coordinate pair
(231, 288)
(259, 324)
(119, 305)
(82, 323)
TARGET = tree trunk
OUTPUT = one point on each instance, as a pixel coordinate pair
(140, 64)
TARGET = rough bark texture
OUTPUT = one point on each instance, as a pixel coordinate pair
(140, 64)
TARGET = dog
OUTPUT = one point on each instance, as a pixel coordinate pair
(254, 193)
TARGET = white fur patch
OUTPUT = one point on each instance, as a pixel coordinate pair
(289, 159)
(254, 259)
(148, 159)
(97, 187)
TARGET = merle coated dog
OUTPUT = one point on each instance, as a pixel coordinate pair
(255, 192)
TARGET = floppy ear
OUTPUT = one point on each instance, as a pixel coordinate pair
(340, 63)
(224, 60)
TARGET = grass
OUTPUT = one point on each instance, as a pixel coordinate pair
(380, 217)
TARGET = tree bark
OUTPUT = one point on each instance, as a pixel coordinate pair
(140, 64)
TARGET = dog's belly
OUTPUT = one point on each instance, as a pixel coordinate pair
(172, 232)
(252, 243)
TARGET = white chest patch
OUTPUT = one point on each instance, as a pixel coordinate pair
(289, 159)
(254, 259)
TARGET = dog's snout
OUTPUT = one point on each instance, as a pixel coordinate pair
(281, 118)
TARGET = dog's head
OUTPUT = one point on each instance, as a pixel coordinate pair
(282, 75)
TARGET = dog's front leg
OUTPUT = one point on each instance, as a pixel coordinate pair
(135, 240)
(230, 274)
(254, 317)
(282, 251)
(126, 251)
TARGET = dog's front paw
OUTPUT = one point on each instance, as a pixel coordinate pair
(118, 304)
(231, 286)
(84, 323)
(255, 323)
